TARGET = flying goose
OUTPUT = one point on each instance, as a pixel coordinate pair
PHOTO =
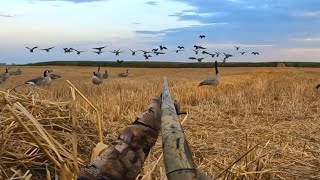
(180, 47)
(98, 52)
(318, 88)
(78, 52)
(125, 74)
(202, 36)
(155, 50)
(205, 52)
(199, 47)
(117, 52)
(6, 74)
(133, 52)
(145, 52)
(105, 75)
(192, 58)
(255, 53)
(47, 49)
(147, 56)
(162, 47)
(45, 80)
(212, 81)
(196, 51)
(32, 49)
(100, 48)
(212, 55)
(237, 47)
(200, 59)
(67, 50)
(157, 53)
(218, 53)
(178, 50)
(242, 53)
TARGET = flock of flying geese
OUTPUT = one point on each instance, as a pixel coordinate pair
(161, 50)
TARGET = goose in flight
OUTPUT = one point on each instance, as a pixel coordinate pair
(205, 52)
(162, 47)
(212, 81)
(178, 50)
(47, 49)
(32, 49)
(147, 56)
(155, 50)
(196, 51)
(180, 47)
(133, 53)
(78, 52)
(242, 53)
(100, 48)
(98, 52)
(117, 52)
(200, 59)
(202, 36)
(237, 47)
(45, 80)
(212, 55)
(192, 58)
(67, 50)
(218, 54)
(199, 47)
(157, 53)
(255, 53)
(145, 52)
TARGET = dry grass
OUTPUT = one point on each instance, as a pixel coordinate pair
(275, 108)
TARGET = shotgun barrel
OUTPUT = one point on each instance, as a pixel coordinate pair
(176, 151)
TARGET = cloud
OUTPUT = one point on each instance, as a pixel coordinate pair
(7, 16)
(306, 13)
(313, 39)
(152, 3)
(74, 1)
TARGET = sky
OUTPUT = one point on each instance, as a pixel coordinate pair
(280, 30)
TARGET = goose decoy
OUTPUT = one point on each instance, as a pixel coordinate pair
(100, 48)
(54, 76)
(97, 78)
(119, 61)
(45, 80)
(199, 47)
(105, 75)
(255, 53)
(98, 52)
(18, 72)
(212, 81)
(196, 51)
(180, 47)
(6, 74)
(162, 47)
(237, 47)
(178, 50)
(117, 52)
(32, 49)
(133, 53)
(157, 53)
(242, 53)
(202, 36)
(318, 88)
(47, 49)
(125, 74)
(2, 80)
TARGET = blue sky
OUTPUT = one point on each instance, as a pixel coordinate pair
(281, 30)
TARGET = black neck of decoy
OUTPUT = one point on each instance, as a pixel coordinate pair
(45, 73)
(99, 68)
(216, 67)
(7, 70)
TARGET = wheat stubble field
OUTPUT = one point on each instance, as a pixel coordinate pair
(276, 109)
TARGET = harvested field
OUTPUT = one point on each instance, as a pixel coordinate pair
(276, 109)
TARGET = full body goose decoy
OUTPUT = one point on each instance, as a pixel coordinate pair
(5, 75)
(318, 88)
(47, 49)
(32, 49)
(105, 75)
(125, 74)
(2, 80)
(97, 77)
(18, 72)
(212, 81)
(45, 80)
